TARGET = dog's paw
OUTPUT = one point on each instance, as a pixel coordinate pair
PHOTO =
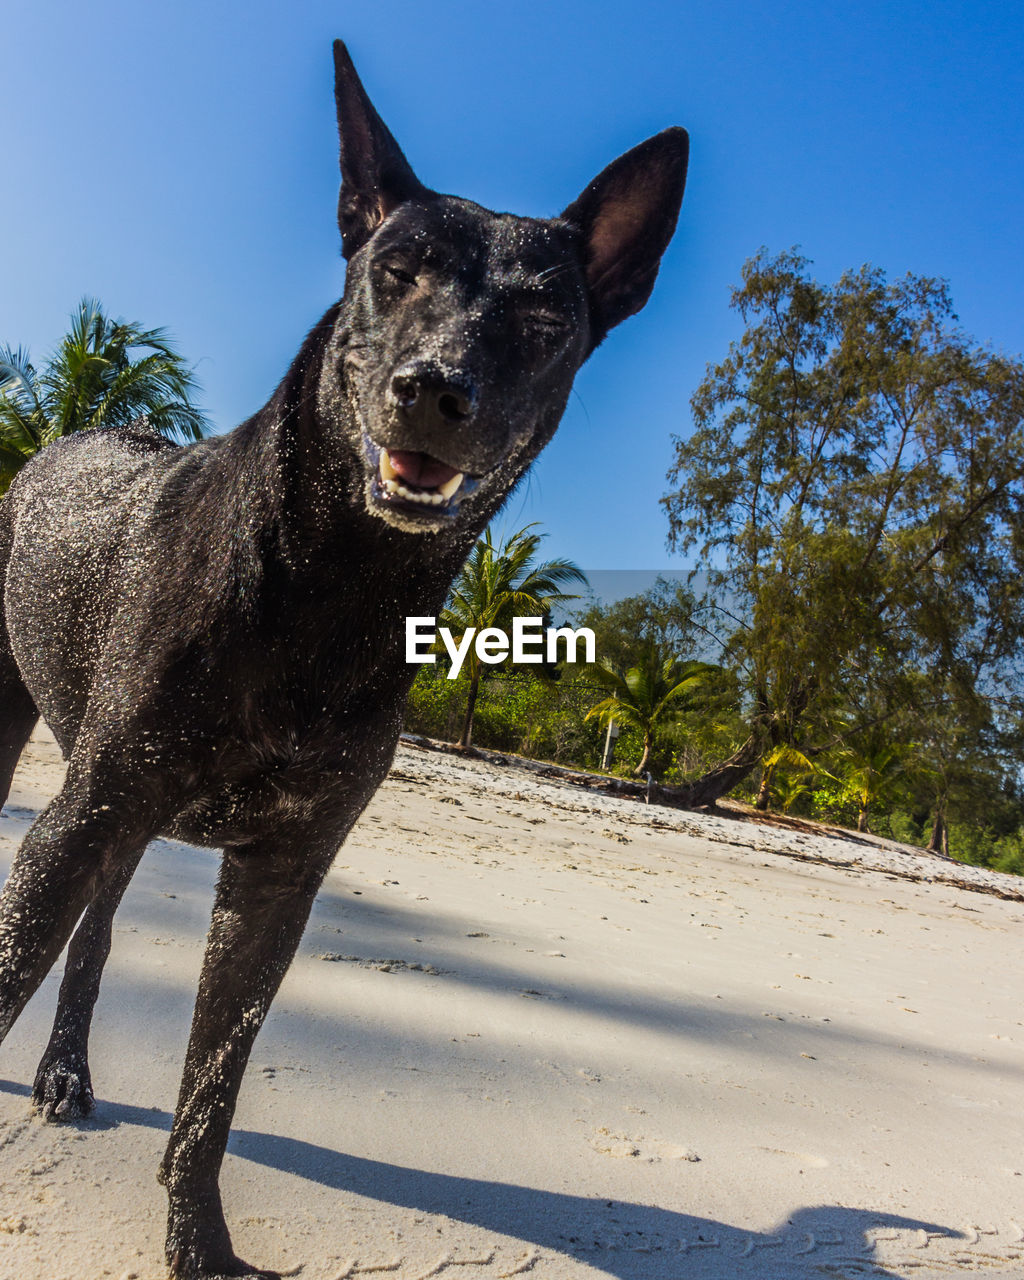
(62, 1091)
(188, 1268)
(244, 1272)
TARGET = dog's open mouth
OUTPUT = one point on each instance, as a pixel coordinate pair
(417, 477)
(417, 484)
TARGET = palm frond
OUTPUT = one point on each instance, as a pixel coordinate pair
(21, 431)
(17, 374)
(102, 373)
(790, 757)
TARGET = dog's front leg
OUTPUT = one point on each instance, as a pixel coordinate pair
(263, 900)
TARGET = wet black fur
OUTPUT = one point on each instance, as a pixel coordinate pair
(215, 633)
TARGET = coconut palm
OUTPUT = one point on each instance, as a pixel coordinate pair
(654, 692)
(788, 788)
(104, 373)
(499, 582)
(793, 764)
(873, 765)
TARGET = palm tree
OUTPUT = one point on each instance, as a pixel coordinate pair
(104, 373)
(788, 788)
(497, 583)
(649, 694)
(793, 763)
(873, 765)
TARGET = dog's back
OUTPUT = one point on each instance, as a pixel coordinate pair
(66, 522)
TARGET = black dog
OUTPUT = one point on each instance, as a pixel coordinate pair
(215, 633)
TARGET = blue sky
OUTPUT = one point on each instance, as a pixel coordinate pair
(179, 162)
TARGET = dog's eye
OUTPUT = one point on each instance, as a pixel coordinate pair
(398, 273)
(547, 323)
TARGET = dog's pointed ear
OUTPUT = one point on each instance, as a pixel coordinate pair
(627, 216)
(375, 177)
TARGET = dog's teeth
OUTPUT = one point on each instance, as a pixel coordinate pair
(387, 471)
(425, 497)
(448, 489)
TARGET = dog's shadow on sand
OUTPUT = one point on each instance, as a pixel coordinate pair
(616, 1238)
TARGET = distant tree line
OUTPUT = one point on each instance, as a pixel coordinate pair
(852, 493)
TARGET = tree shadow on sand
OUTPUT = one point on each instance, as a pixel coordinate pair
(628, 1241)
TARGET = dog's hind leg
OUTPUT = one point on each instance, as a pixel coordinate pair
(63, 1084)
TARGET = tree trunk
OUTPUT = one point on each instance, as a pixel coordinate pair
(939, 843)
(862, 820)
(467, 724)
(716, 782)
(641, 768)
(764, 791)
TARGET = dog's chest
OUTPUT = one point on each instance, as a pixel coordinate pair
(284, 771)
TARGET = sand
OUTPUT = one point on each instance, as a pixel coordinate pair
(534, 1031)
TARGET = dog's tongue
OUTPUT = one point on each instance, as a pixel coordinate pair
(421, 469)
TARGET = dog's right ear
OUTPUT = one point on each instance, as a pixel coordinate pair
(375, 177)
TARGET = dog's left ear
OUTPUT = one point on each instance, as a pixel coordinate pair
(375, 177)
(627, 216)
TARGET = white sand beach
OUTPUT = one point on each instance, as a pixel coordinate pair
(536, 1031)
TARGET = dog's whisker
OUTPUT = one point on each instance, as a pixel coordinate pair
(554, 272)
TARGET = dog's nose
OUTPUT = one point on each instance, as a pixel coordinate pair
(428, 398)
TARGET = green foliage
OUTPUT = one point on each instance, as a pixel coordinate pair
(786, 774)
(792, 788)
(516, 711)
(435, 704)
(700, 731)
(665, 615)
(524, 710)
(104, 373)
(1008, 854)
(874, 766)
(854, 487)
(645, 696)
(498, 582)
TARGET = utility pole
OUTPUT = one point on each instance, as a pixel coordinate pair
(610, 738)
